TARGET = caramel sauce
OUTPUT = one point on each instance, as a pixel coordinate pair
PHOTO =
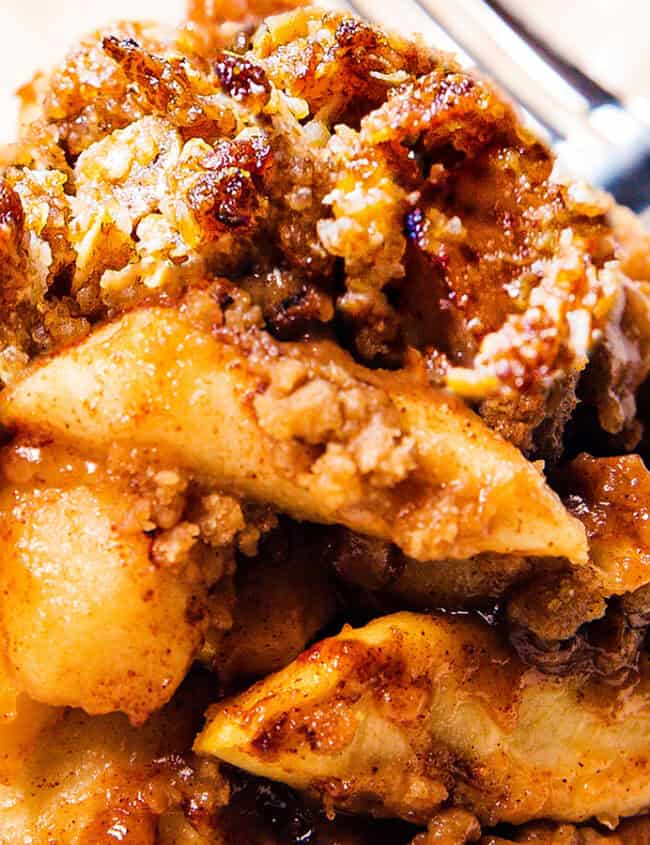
(611, 496)
(131, 825)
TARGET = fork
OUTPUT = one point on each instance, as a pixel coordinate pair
(596, 135)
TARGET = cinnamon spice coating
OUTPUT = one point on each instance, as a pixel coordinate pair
(310, 365)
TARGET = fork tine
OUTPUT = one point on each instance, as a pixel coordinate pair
(413, 16)
(595, 136)
(408, 16)
(594, 93)
(512, 62)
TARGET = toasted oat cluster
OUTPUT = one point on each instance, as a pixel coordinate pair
(324, 517)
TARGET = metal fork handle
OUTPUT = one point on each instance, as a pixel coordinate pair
(596, 136)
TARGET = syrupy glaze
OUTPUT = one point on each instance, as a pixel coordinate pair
(611, 496)
(132, 825)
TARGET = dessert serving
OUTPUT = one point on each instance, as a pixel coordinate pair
(324, 510)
